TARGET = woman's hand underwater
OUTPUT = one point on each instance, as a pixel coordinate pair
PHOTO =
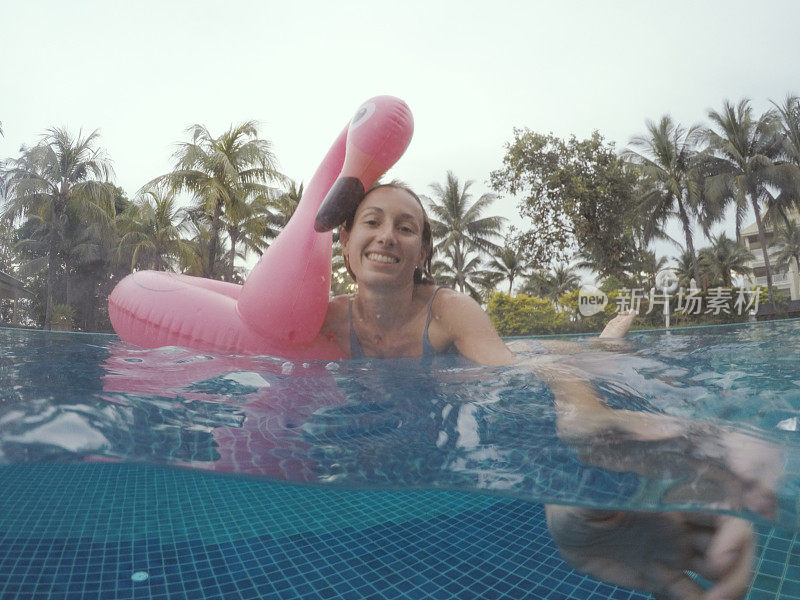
(650, 551)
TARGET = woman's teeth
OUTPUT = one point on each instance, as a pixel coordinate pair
(382, 258)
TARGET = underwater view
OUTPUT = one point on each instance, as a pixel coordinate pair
(163, 473)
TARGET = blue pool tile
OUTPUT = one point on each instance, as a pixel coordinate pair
(483, 548)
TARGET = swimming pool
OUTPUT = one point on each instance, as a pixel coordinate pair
(425, 482)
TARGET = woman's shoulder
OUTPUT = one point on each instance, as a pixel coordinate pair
(448, 299)
(453, 310)
(336, 316)
(458, 319)
(340, 302)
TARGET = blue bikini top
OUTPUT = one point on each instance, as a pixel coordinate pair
(428, 351)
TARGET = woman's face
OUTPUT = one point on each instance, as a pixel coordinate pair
(385, 244)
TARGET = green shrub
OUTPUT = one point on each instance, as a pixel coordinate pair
(524, 315)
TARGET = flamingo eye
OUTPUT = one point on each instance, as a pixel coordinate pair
(362, 115)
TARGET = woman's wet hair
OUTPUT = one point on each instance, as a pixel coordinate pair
(422, 274)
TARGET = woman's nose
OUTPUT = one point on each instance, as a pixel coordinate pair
(386, 234)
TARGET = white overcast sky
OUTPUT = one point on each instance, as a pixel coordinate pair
(142, 72)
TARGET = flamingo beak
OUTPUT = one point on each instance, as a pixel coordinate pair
(340, 202)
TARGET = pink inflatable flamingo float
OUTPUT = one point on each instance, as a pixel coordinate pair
(281, 306)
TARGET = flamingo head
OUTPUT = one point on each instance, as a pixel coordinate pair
(377, 137)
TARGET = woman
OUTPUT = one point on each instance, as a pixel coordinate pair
(398, 312)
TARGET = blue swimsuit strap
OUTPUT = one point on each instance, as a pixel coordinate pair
(427, 349)
(355, 345)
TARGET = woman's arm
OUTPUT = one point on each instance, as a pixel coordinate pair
(613, 545)
(465, 324)
(609, 338)
(471, 330)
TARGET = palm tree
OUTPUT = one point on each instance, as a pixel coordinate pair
(552, 284)
(788, 118)
(459, 270)
(151, 231)
(509, 263)
(668, 160)
(260, 221)
(726, 256)
(458, 222)
(248, 226)
(562, 280)
(61, 177)
(787, 245)
(282, 209)
(744, 150)
(684, 270)
(89, 268)
(7, 238)
(787, 173)
(536, 284)
(646, 267)
(224, 174)
(198, 229)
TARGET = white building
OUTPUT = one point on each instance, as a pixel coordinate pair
(783, 281)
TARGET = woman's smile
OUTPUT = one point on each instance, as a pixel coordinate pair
(381, 257)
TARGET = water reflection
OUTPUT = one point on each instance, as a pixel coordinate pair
(397, 424)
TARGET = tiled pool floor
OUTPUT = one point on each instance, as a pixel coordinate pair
(108, 531)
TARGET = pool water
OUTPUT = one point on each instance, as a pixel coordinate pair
(346, 480)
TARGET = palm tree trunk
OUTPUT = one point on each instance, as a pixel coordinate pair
(67, 286)
(687, 232)
(51, 283)
(59, 206)
(212, 244)
(91, 318)
(234, 236)
(762, 239)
